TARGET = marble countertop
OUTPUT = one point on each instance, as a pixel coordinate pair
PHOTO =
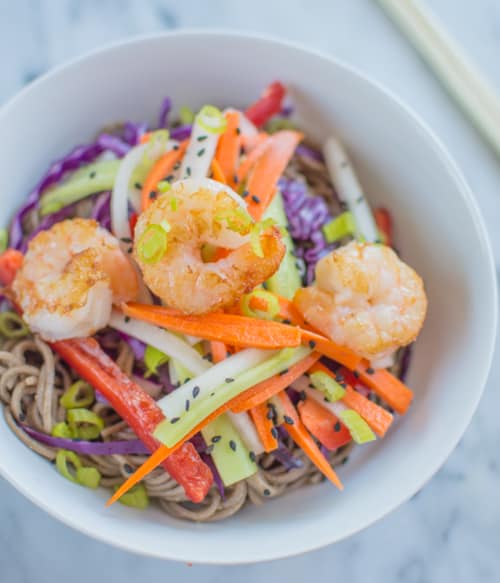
(449, 532)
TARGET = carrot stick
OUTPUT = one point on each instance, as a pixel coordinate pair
(264, 177)
(251, 160)
(288, 311)
(377, 417)
(229, 328)
(323, 424)
(302, 438)
(228, 147)
(386, 386)
(384, 224)
(218, 350)
(250, 141)
(217, 173)
(265, 427)
(270, 387)
(161, 168)
(331, 349)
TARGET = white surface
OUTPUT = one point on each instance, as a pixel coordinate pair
(449, 532)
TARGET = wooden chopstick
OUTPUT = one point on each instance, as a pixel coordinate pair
(460, 77)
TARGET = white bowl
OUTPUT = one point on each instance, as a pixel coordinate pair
(438, 229)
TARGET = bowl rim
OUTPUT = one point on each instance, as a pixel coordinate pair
(467, 197)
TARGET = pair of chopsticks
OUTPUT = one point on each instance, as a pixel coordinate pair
(464, 83)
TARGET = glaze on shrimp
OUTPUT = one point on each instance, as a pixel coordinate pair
(200, 213)
(365, 298)
(70, 277)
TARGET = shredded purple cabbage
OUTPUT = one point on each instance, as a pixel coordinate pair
(201, 447)
(138, 347)
(164, 379)
(132, 132)
(308, 152)
(181, 132)
(306, 215)
(101, 210)
(405, 362)
(113, 144)
(287, 459)
(128, 447)
(165, 108)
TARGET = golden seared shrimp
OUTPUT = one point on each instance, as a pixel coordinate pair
(71, 275)
(171, 235)
(365, 298)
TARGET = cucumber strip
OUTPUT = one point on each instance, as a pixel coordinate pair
(327, 385)
(286, 281)
(173, 429)
(86, 181)
(230, 454)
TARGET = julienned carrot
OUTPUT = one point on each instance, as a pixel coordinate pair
(331, 349)
(218, 350)
(228, 328)
(228, 146)
(250, 160)
(384, 224)
(250, 141)
(288, 311)
(160, 170)
(217, 173)
(270, 387)
(377, 417)
(300, 435)
(10, 262)
(386, 386)
(323, 424)
(265, 427)
(263, 178)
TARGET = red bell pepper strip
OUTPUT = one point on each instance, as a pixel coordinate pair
(270, 103)
(10, 261)
(137, 408)
(323, 424)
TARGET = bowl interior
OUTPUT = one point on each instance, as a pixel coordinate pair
(438, 230)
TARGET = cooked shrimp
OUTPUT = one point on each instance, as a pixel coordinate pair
(197, 214)
(71, 275)
(365, 298)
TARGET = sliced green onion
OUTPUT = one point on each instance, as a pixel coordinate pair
(62, 430)
(186, 115)
(153, 358)
(152, 245)
(273, 305)
(324, 383)
(174, 203)
(170, 433)
(255, 234)
(164, 186)
(280, 123)
(229, 452)
(4, 240)
(80, 394)
(68, 463)
(136, 497)
(165, 225)
(211, 119)
(340, 227)
(84, 424)
(12, 326)
(208, 252)
(359, 428)
(237, 220)
(88, 477)
(86, 181)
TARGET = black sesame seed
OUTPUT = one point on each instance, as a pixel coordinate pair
(208, 357)
(238, 131)
(242, 151)
(252, 456)
(212, 394)
(359, 199)
(210, 448)
(288, 420)
(228, 354)
(282, 372)
(196, 391)
(177, 165)
(337, 427)
(127, 319)
(312, 344)
(236, 179)
(174, 419)
(200, 152)
(187, 379)
(287, 321)
(138, 185)
(229, 380)
(176, 385)
(232, 445)
(126, 240)
(370, 370)
(245, 193)
(92, 175)
(152, 195)
(267, 492)
(128, 468)
(270, 414)
(355, 373)
(22, 417)
(345, 460)
(216, 438)
(264, 285)
(343, 385)
(186, 406)
(302, 395)
(201, 138)
(175, 147)
(169, 178)
(274, 432)
(188, 170)
(339, 378)
(255, 199)
(129, 250)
